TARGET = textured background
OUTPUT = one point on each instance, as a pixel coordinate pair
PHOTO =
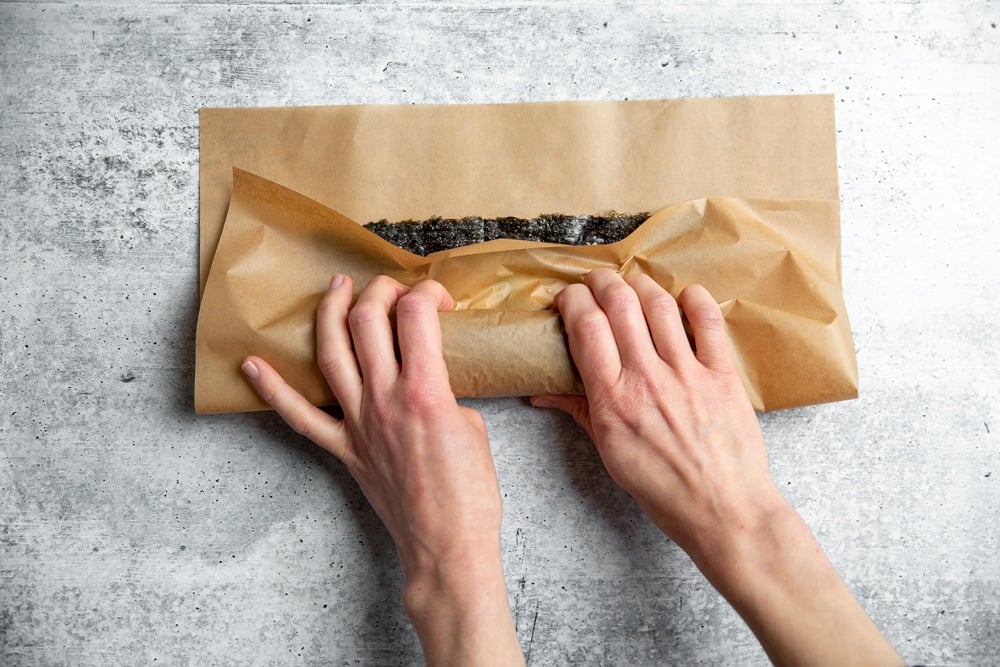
(133, 532)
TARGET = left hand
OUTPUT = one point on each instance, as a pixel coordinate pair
(422, 460)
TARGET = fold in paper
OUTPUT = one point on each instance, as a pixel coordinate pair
(771, 263)
(490, 160)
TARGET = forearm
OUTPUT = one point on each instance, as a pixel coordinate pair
(776, 576)
(461, 613)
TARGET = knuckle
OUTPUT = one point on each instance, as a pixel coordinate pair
(381, 281)
(268, 393)
(329, 364)
(413, 303)
(325, 306)
(619, 297)
(569, 294)
(662, 305)
(431, 284)
(588, 324)
(421, 394)
(700, 306)
(706, 317)
(363, 315)
(600, 274)
(303, 425)
(328, 308)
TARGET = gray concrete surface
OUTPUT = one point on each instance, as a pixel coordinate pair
(133, 532)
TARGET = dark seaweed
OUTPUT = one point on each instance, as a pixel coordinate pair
(423, 237)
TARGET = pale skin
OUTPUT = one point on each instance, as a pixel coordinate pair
(674, 428)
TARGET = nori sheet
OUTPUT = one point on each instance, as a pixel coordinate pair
(423, 237)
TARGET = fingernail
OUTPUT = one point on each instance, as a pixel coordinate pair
(250, 370)
(540, 402)
(336, 281)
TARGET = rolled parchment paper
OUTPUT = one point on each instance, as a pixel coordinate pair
(772, 265)
(525, 350)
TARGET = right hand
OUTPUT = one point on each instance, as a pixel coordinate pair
(674, 427)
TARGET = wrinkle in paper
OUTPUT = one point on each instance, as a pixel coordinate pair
(416, 161)
(785, 316)
(746, 164)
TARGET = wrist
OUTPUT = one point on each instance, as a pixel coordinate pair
(778, 579)
(459, 608)
(756, 552)
(732, 530)
(452, 581)
(773, 573)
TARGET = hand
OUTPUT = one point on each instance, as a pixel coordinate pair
(422, 460)
(675, 428)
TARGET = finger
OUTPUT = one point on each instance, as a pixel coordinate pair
(628, 323)
(591, 342)
(576, 407)
(419, 332)
(334, 354)
(371, 331)
(304, 417)
(663, 318)
(708, 326)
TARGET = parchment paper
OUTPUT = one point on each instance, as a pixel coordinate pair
(397, 162)
(773, 264)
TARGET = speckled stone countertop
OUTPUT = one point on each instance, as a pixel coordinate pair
(134, 532)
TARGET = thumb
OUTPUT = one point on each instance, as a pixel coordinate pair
(304, 417)
(575, 406)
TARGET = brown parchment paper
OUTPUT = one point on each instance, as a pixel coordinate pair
(766, 261)
(769, 250)
(396, 162)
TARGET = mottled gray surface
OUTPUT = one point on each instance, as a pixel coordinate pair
(133, 532)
